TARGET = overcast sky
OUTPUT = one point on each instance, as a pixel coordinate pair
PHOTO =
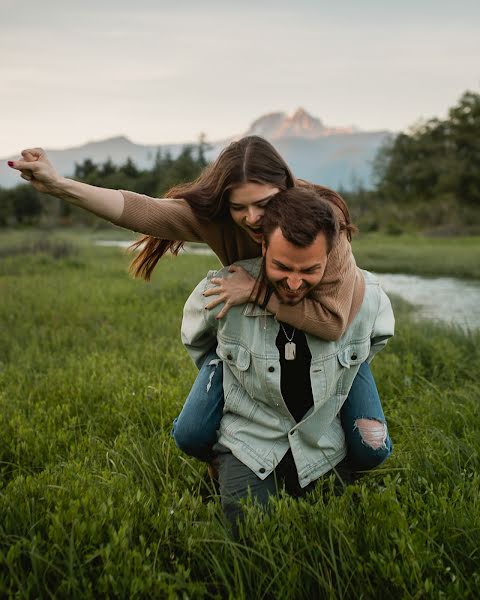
(158, 72)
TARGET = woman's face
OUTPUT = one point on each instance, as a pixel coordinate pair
(247, 204)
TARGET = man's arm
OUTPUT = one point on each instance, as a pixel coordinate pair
(199, 326)
(384, 326)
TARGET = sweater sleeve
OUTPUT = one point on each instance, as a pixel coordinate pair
(326, 314)
(334, 303)
(166, 218)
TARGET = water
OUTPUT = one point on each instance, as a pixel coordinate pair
(445, 299)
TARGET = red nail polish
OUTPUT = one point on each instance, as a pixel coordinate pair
(10, 163)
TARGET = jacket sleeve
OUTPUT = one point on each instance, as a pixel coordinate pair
(165, 218)
(199, 326)
(384, 326)
(334, 303)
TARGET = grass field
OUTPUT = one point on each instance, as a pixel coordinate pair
(95, 500)
(419, 255)
(408, 253)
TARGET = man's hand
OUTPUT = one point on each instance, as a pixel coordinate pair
(37, 169)
(238, 288)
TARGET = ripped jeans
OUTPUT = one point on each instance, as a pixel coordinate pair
(362, 418)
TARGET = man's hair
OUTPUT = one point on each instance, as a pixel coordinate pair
(301, 214)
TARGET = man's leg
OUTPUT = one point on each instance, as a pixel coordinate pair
(195, 428)
(364, 424)
(287, 472)
(237, 482)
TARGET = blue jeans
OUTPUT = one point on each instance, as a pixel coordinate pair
(362, 418)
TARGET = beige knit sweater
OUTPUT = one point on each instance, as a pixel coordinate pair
(326, 314)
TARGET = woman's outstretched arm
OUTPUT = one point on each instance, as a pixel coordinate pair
(170, 219)
(39, 171)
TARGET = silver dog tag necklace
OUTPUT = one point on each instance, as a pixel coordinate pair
(290, 346)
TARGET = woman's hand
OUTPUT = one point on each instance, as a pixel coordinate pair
(239, 288)
(38, 170)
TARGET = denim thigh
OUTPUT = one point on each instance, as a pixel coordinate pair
(195, 428)
(363, 402)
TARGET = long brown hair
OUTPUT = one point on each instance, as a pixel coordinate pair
(251, 159)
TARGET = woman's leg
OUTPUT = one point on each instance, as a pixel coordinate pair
(364, 424)
(195, 428)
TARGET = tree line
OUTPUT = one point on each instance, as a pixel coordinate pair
(427, 178)
(23, 205)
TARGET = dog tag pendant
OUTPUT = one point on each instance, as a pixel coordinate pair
(290, 350)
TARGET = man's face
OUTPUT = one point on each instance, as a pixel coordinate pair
(294, 271)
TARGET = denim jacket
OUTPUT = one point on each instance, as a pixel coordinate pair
(256, 425)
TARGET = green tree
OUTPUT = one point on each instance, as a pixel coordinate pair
(129, 169)
(436, 164)
(464, 124)
(86, 169)
(107, 168)
(27, 205)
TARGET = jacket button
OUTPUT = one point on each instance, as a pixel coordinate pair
(229, 356)
(262, 470)
(271, 369)
(354, 356)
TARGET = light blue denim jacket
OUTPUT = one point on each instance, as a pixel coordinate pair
(256, 425)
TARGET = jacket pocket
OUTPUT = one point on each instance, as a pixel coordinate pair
(237, 359)
(234, 355)
(354, 354)
(349, 360)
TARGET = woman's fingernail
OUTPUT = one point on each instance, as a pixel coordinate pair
(10, 163)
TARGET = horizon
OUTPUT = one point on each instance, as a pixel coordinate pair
(161, 74)
(208, 140)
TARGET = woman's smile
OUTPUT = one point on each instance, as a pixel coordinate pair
(247, 204)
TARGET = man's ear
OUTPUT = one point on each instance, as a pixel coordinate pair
(264, 248)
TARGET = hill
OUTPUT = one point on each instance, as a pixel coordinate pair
(334, 156)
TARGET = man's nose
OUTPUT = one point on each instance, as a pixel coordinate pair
(294, 282)
(254, 215)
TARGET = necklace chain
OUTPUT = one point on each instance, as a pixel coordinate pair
(293, 333)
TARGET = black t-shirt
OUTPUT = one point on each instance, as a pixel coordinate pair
(295, 383)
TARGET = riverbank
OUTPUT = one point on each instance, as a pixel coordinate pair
(96, 499)
(419, 255)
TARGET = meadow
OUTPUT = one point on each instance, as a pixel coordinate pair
(417, 254)
(96, 501)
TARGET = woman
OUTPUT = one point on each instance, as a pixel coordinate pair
(224, 209)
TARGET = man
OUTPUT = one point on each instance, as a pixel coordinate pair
(283, 389)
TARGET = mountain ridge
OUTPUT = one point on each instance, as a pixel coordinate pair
(333, 156)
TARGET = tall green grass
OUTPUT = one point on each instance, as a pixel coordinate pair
(95, 500)
(419, 254)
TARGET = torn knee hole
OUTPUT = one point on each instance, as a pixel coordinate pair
(213, 363)
(372, 432)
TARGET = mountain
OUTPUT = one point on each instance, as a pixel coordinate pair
(279, 125)
(337, 157)
(333, 156)
(118, 149)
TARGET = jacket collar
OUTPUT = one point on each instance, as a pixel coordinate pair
(253, 310)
